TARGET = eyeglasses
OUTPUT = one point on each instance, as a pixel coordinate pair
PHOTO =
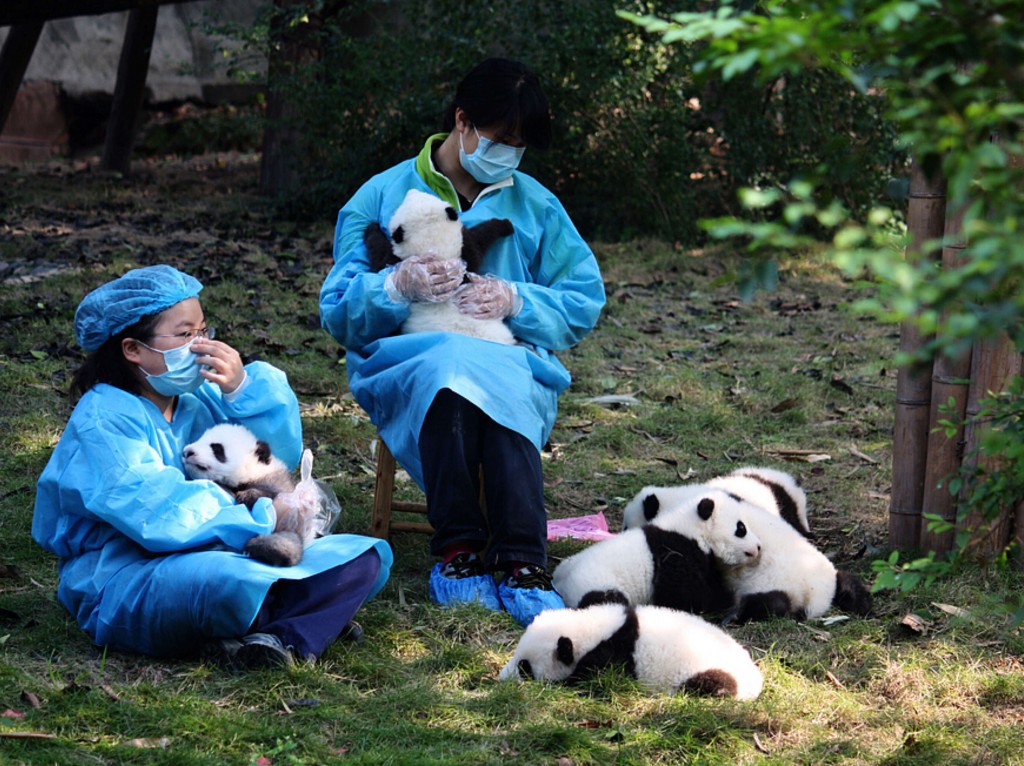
(206, 333)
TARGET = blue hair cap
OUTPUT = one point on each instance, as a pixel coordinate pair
(111, 307)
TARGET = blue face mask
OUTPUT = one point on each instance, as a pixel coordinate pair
(491, 162)
(182, 376)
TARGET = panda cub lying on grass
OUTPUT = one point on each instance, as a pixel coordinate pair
(231, 456)
(665, 650)
(678, 560)
(791, 577)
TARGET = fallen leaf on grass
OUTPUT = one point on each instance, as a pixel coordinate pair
(26, 735)
(950, 609)
(612, 400)
(149, 742)
(915, 624)
(31, 700)
(866, 458)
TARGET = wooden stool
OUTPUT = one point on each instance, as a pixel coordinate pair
(384, 504)
(381, 524)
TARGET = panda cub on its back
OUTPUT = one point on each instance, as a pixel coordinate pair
(231, 456)
(676, 561)
(665, 650)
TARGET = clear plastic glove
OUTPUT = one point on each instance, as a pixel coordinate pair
(487, 298)
(425, 277)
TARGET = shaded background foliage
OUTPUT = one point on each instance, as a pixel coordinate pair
(640, 148)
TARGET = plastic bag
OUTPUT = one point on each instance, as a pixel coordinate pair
(593, 527)
(312, 507)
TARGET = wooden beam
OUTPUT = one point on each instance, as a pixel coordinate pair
(14, 58)
(130, 89)
(37, 11)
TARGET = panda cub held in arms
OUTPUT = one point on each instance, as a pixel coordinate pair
(424, 224)
(665, 650)
(776, 491)
(231, 456)
(676, 561)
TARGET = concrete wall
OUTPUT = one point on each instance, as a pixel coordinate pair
(81, 54)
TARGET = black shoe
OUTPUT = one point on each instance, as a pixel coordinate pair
(529, 576)
(352, 632)
(461, 566)
(260, 651)
(223, 653)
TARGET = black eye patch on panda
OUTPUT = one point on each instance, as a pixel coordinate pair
(398, 235)
(525, 669)
(263, 452)
(218, 452)
(450, 212)
(741, 529)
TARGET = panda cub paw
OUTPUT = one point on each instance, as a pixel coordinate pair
(280, 549)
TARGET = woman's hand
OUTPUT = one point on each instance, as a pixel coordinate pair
(222, 364)
(487, 298)
(426, 277)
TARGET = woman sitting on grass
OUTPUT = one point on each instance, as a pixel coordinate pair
(150, 562)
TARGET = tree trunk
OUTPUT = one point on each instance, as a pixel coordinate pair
(293, 49)
(949, 392)
(926, 216)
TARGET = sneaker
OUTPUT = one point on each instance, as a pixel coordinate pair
(527, 591)
(353, 633)
(223, 653)
(463, 581)
(260, 651)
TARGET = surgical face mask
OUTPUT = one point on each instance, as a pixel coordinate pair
(182, 376)
(491, 162)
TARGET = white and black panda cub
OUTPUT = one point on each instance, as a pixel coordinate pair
(231, 456)
(769, 488)
(665, 650)
(424, 223)
(792, 578)
(676, 561)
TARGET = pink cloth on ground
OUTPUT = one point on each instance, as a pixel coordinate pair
(593, 527)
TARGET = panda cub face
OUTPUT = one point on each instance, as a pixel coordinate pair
(230, 455)
(424, 224)
(718, 521)
(554, 643)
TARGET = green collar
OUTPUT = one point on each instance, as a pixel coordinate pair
(437, 182)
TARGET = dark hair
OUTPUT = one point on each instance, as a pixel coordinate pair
(505, 93)
(107, 363)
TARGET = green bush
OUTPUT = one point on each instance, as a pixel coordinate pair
(640, 149)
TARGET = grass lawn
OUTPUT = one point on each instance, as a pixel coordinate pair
(681, 381)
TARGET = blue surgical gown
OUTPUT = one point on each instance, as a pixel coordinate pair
(396, 377)
(149, 560)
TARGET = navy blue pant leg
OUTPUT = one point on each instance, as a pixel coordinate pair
(458, 438)
(309, 614)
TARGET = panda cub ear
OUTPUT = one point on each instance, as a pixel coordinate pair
(705, 508)
(263, 452)
(651, 506)
(564, 652)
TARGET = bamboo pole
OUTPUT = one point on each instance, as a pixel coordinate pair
(926, 217)
(994, 363)
(950, 375)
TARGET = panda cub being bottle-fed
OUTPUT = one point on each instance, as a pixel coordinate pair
(231, 456)
(425, 224)
(665, 650)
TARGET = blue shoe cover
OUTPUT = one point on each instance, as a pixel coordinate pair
(448, 591)
(526, 603)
